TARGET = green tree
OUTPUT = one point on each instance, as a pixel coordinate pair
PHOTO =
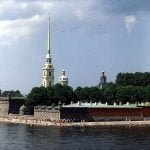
(147, 93)
(121, 94)
(37, 96)
(12, 93)
(140, 94)
(145, 79)
(63, 93)
(109, 93)
(136, 79)
(79, 95)
(126, 93)
(88, 94)
(95, 94)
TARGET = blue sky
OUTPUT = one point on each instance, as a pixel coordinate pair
(86, 36)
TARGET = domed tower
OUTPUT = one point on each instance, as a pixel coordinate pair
(48, 69)
(103, 79)
(63, 80)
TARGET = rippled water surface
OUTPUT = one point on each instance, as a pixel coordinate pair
(25, 137)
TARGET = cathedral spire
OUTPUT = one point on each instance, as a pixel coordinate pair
(48, 46)
(48, 69)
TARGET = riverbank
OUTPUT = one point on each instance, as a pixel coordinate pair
(40, 122)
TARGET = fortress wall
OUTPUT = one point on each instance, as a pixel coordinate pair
(146, 111)
(4, 107)
(101, 114)
(46, 113)
(93, 114)
(15, 104)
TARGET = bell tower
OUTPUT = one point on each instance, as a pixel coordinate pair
(48, 69)
(63, 80)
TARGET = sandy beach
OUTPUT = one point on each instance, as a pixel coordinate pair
(38, 122)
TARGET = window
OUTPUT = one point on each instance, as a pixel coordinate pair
(47, 60)
(49, 73)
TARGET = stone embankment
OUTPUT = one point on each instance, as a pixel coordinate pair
(30, 120)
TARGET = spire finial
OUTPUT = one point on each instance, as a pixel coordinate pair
(49, 34)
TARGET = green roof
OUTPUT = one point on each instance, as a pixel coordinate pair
(98, 105)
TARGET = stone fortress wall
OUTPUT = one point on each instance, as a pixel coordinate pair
(10, 105)
(78, 113)
(4, 106)
(47, 112)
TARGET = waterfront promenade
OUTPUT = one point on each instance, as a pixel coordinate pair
(29, 120)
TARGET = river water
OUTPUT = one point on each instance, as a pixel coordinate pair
(25, 137)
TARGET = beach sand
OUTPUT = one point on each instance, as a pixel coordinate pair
(41, 122)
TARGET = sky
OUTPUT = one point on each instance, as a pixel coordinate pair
(87, 36)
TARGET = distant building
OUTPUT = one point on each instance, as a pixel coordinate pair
(48, 69)
(103, 79)
(63, 80)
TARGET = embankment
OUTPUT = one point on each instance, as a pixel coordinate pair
(30, 120)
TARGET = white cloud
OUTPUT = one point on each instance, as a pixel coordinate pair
(14, 30)
(130, 22)
(19, 18)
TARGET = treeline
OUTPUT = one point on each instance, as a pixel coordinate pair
(129, 93)
(49, 96)
(136, 79)
(11, 93)
(64, 94)
(129, 87)
(110, 93)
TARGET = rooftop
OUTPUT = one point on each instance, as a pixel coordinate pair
(99, 105)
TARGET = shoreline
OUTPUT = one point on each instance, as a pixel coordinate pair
(72, 124)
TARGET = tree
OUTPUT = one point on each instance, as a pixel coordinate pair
(147, 93)
(145, 79)
(109, 93)
(95, 94)
(140, 93)
(88, 94)
(131, 93)
(12, 93)
(136, 79)
(79, 96)
(63, 93)
(121, 94)
(37, 96)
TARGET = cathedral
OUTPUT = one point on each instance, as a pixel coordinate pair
(48, 68)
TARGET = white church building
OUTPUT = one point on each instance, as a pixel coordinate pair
(48, 68)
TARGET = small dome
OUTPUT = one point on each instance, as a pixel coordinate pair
(63, 78)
